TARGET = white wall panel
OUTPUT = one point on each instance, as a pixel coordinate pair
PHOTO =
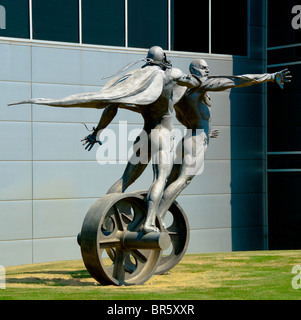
(15, 62)
(16, 220)
(59, 218)
(207, 211)
(55, 249)
(17, 145)
(220, 148)
(56, 65)
(15, 252)
(210, 240)
(76, 179)
(16, 180)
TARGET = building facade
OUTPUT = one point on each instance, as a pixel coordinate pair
(57, 48)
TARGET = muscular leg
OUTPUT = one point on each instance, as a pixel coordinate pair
(176, 168)
(193, 161)
(162, 165)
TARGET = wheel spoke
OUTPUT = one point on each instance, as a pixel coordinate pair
(172, 233)
(140, 261)
(111, 253)
(139, 255)
(126, 218)
(118, 219)
(118, 270)
(108, 243)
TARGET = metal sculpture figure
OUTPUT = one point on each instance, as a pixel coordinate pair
(149, 90)
(193, 111)
(125, 226)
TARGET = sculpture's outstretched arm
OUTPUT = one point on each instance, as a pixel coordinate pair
(220, 83)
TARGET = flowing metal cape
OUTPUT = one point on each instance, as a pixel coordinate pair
(138, 87)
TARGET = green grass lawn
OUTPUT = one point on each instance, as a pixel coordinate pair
(256, 275)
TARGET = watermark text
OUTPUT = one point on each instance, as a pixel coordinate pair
(2, 278)
(296, 281)
(296, 21)
(160, 146)
(2, 18)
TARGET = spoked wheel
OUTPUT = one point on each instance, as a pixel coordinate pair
(176, 224)
(114, 250)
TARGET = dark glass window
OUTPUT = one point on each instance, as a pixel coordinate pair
(14, 19)
(148, 23)
(284, 161)
(280, 30)
(190, 25)
(229, 27)
(103, 22)
(284, 210)
(284, 113)
(284, 55)
(55, 20)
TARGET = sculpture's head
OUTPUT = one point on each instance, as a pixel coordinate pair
(157, 56)
(199, 67)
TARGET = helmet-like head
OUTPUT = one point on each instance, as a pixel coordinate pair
(199, 67)
(156, 56)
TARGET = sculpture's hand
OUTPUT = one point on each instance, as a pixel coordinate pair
(282, 77)
(90, 140)
(214, 133)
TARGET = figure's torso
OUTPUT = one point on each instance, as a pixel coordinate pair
(159, 113)
(194, 110)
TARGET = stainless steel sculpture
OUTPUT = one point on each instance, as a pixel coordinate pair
(130, 227)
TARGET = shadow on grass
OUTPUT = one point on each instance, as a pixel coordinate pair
(69, 278)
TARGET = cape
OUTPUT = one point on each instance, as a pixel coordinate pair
(178, 93)
(138, 87)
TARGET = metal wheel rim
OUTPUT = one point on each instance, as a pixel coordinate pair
(102, 227)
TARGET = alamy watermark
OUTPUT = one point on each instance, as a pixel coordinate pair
(2, 278)
(296, 281)
(296, 21)
(135, 146)
(2, 18)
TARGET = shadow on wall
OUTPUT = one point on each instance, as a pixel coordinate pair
(247, 161)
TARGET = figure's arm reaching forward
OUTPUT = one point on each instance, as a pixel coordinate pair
(189, 81)
(219, 83)
(106, 118)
